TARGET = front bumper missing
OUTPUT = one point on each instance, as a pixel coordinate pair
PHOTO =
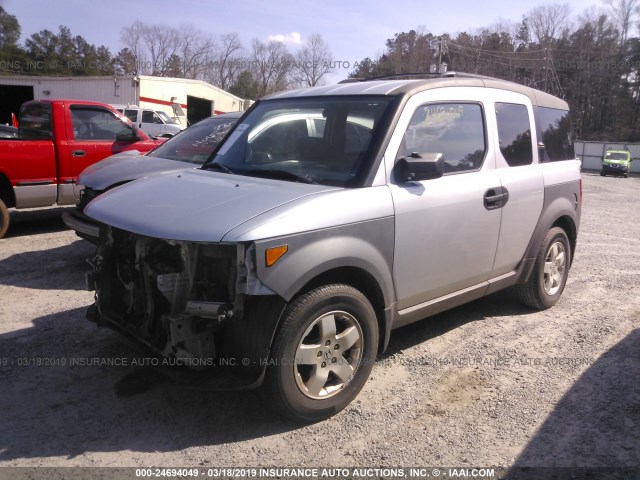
(187, 301)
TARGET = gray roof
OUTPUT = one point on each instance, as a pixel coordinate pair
(412, 86)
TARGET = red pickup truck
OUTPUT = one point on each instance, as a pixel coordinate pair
(57, 139)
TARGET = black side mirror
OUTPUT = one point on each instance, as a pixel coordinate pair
(419, 166)
(128, 135)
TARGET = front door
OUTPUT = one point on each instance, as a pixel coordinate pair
(446, 228)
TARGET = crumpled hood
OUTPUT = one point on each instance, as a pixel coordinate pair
(124, 167)
(193, 205)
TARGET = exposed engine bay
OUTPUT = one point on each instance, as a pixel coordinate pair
(180, 298)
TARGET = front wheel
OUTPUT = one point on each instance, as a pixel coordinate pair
(550, 272)
(4, 218)
(323, 353)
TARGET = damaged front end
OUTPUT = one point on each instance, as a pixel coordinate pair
(190, 301)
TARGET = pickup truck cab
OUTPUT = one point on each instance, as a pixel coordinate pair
(329, 217)
(57, 139)
(190, 149)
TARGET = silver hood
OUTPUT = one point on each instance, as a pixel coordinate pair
(193, 205)
(124, 167)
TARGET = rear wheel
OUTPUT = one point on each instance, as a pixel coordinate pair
(323, 353)
(602, 173)
(549, 276)
(4, 218)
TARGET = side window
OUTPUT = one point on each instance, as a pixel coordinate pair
(455, 130)
(91, 123)
(147, 116)
(554, 132)
(35, 121)
(131, 115)
(514, 132)
(157, 119)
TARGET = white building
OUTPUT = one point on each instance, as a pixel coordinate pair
(196, 99)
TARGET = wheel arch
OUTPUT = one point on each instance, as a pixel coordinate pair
(7, 195)
(569, 226)
(361, 280)
(562, 209)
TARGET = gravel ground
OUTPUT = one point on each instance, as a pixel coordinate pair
(488, 384)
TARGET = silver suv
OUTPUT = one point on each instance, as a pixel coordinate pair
(329, 217)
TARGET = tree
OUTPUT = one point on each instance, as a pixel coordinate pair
(126, 62)
(162, 50)
(9, 30)
(314, 61)
(271, 66)
(546, 22)
(194, 51)
(226, 62)
(245, 86)
(622, 12)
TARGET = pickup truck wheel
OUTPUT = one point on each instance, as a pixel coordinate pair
(4, 218)
(323, 353)
(549, 276)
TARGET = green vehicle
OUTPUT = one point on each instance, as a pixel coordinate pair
(616, 162)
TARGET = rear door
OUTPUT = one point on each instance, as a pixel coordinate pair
(520, 175)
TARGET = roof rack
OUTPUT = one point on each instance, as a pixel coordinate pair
(414, 76)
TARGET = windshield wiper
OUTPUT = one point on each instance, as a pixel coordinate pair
(284, 174)
(219, 166)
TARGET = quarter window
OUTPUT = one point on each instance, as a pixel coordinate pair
(554, 131)
(454, 130)
(514, 132)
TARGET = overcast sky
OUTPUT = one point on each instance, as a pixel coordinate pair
(353, 30)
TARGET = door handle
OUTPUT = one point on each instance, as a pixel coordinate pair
(496, 197)
(78, 153)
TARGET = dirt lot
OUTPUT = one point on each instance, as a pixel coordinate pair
(487, 384)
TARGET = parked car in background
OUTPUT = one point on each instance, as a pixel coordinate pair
(152, 122)
(330, 216)
(57, 139)
(7, 131)
(190, 148)
(616, 162)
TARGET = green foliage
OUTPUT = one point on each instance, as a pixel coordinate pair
(592, 63)
(586, 67)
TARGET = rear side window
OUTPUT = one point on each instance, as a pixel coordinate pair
(35, 121)
(554, 131)
(131, 115)
(514, 132)
(454, 130)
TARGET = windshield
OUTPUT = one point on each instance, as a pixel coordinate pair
(325, 140)
(195, 144)
(167, 119)
(616, 156)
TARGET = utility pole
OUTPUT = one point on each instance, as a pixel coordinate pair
(439, 67)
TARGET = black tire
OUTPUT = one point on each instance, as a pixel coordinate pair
(4, 219)
(305, 378)
(602, 173)
(544, 288)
